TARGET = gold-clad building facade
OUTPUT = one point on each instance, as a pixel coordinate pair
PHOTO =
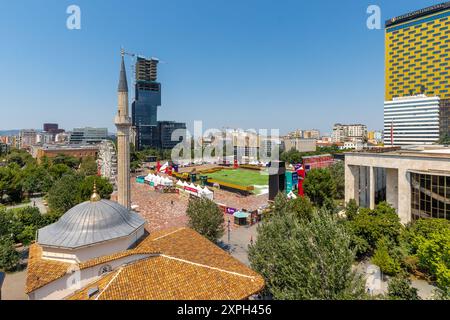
(418, 53)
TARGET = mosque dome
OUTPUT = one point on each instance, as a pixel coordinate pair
(90, 222)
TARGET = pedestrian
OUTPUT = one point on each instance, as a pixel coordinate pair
(171, 202)
(34, 203)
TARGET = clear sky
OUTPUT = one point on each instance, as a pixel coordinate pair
(282, 64)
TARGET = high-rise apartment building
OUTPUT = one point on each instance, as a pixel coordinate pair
(311, 134)
(417, 55)
(349, 132)
(27, 138)
(411, 120)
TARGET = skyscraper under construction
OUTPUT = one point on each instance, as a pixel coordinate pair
(145, 105)
(149, 132)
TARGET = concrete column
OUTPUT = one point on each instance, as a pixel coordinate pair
(404, 196)
(371, 186)
(351, 183)
(392, 187)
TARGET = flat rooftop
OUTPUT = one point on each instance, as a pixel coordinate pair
(429, 151)
(418, 14)
(68, 147)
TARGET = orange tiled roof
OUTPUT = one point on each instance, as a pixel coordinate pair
(165, 278)
(185, 266)
(40, 271)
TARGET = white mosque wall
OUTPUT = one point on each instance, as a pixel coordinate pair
(77, 279)
(98, 250)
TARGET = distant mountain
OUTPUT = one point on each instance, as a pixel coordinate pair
(9, 132)
(13, 132)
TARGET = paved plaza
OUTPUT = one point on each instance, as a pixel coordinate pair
(165, 210)
(161, 210)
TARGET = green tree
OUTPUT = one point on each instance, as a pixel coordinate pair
(280, 202)
(383, 258)
(69, 161)
(369, 226)
(429, 243)
(10, 183)
(399, 288)
(319, 185)
(6, 222)
(422, 229)
(351, 209)
(305, 258)
(291, 156)
(58, 170)
(88, 166)
(434, 256)
(104, 187)
(338, 175)
(36, 179)
(206, 218)
(330, 206)
(301, 206)
(9, 257)
(19, 157)
(444, 139)
(64, 194)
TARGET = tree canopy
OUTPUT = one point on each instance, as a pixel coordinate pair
(305, 258)
(73, 189)
(206, 218)
(319, 185)
(369, 226)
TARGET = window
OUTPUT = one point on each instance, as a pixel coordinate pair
(428, 196)
(104, 269)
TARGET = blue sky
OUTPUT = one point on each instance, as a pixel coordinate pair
(282, 64)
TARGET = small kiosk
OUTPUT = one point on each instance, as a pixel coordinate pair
(240, 218)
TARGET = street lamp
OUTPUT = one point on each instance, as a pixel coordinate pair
(229, 229)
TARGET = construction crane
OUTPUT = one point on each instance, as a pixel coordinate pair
(123, 52)
(134, 55)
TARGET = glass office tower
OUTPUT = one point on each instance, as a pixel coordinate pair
(144, 109)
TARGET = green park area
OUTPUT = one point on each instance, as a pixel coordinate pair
(242, 177)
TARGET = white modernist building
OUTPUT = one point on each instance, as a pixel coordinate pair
(415, 181)
(412, 120)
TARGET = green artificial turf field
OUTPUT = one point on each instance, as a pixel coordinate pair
(241, 177)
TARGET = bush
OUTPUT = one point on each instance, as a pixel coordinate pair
(351, 209)
(423, 229)
(369, 226)
(206, 218)
(383, 258)
(400, 288)
(9, 257)
(434, 256)
(429, 241)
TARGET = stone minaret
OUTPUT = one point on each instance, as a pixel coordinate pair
(123, 125)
